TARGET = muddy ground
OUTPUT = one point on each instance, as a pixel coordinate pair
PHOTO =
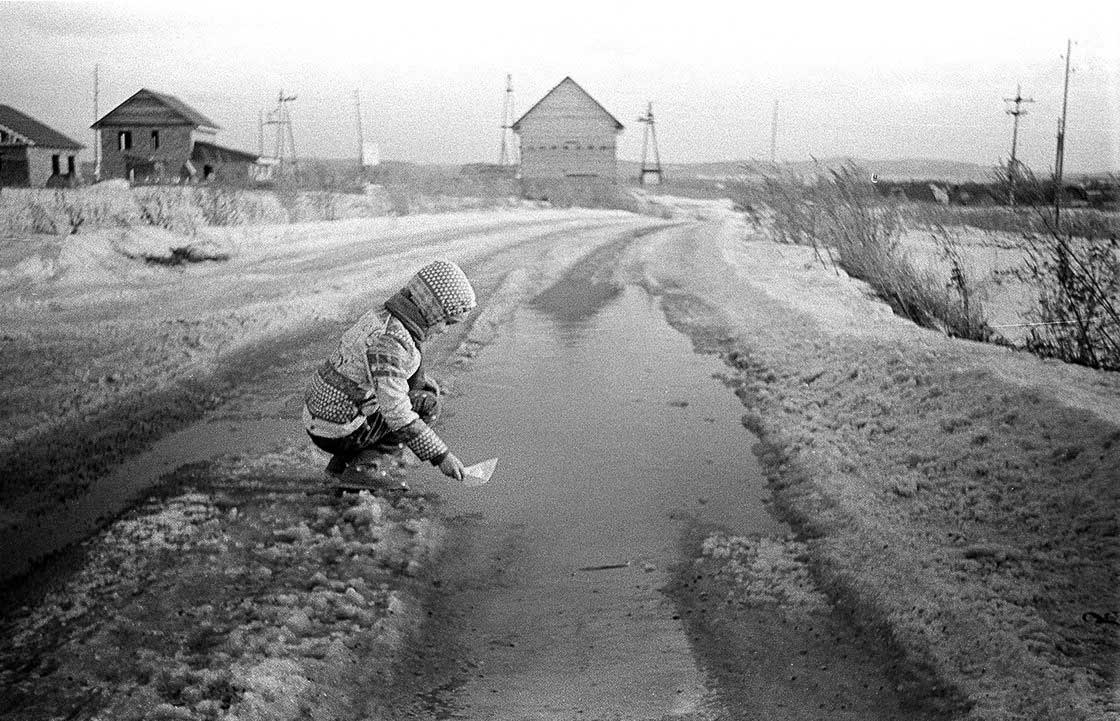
(951, 547)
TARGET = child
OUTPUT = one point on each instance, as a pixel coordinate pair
(372, 395)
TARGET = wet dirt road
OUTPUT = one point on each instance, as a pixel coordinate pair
(567, 590)
(603, 464)
(567, 586)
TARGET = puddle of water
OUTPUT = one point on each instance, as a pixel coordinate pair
(611, 434)
(605, 418)
(75, 518)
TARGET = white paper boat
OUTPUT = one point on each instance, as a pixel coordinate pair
(479, 473)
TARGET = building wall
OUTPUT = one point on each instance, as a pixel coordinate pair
(175, 142)
(41, 166)
(232, 172)
(13, 166)
(33, 166)
(568, 135)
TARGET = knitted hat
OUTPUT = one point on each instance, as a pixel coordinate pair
(441, 291)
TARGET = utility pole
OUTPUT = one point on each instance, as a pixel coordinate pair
(1060, 153)
(649, 139)
(96, 117)
(774, 135)
(285, 141)
(361, 139)
(507, 155)
(1013, 164)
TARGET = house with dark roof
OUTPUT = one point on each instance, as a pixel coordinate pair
(34, 155)
(157, 138)
(568, 134)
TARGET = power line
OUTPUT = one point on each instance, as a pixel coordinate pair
(649, 140)
(1060, 151)
(507, 155)
(1016, 112)
(774, 135)
(96, 117)
(361, 138)
(285, 140)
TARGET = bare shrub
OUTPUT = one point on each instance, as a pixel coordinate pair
(169, 208)
(287, 194)
(1074, 262)
(323, 203)
(220, 204)
(15, 217)
(1078, 280)
(966, 303)
(259, 206)
(840, 215)
(44, 216)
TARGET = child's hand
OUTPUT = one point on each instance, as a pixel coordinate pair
(452, 467)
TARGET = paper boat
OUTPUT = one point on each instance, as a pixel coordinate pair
(479, 473)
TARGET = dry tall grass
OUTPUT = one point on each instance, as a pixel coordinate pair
(186, 209)
(1071, 262)
(1078, 314)
(849, 225)
(590, 193)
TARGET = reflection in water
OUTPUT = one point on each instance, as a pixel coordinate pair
(611, 435)
(609, 417)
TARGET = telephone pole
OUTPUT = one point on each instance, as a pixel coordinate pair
(285, 141)
(507, 155)
(96, 117)
(649, 140)
(1060, 153)
(774, 135)
(1013, 164)
(361, 138)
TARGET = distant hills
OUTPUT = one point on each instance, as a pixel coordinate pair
(949, 171)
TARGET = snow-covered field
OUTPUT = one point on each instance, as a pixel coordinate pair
(962, 499)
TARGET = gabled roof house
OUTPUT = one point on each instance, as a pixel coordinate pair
(33, 154)
(568, 134)
(154, 137)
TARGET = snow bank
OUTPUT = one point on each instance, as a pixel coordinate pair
(960, 496)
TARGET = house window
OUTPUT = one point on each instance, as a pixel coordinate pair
(70, 165)
(56, 165)
(3, 136)
(124, 140)
(155, 140)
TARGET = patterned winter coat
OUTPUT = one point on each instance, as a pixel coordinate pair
(369, 373)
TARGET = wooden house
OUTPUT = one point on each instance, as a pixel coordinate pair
(156, 138)
(568, 134)
(34, 155)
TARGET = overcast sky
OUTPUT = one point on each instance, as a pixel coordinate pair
(877, 80)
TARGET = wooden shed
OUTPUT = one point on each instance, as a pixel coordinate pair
(568, 134)
(157, 138)
(34, 155)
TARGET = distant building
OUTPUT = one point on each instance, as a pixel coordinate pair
(157, 138)
(568, 134)
(34, 155)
